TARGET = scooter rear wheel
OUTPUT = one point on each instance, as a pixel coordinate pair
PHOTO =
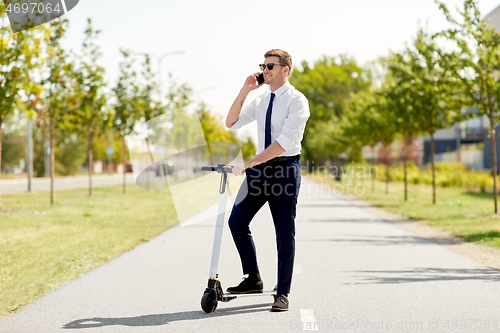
(209, 301)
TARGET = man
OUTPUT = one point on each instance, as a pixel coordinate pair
(273, 175)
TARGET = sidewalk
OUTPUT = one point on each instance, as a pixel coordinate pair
(355, 271)
(20, 185)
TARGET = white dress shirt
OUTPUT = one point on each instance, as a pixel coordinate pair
(288, 119)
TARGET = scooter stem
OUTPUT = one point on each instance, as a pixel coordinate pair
(219, 226)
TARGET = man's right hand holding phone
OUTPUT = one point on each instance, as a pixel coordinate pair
(251, 83)
(254, 81)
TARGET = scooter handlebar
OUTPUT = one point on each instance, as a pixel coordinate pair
(219, 168)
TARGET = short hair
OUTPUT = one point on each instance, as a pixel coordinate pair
(285, 58)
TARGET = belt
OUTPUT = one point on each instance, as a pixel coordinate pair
(284, 158)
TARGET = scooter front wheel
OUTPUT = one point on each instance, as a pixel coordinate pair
(209, 301)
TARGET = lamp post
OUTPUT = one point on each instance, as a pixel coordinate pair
(160, 59)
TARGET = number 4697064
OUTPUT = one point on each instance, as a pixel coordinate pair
(35, 8)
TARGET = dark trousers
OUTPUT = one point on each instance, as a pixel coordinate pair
(278, 184)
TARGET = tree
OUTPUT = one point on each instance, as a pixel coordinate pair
(477, 64)
(13, 142)
(328, 85)
(386, 129)
(326, 139)
(435, 92)
(399, 91)
(127, 106)
(91, 112)
(215, 131)
(70, 152)
(363, 123)
(18, 59)
(60, 99)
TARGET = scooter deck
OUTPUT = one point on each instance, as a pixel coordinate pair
(228, 296)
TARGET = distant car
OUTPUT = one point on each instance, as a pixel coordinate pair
(165, 165)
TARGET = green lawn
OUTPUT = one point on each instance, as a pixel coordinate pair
(44, 246)
(461, 212)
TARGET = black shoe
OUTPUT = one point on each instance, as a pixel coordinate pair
(280, 303)
(247, 286)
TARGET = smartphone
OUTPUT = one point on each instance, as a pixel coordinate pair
(260, 78)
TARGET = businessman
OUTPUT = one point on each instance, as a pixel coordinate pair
(273, 174)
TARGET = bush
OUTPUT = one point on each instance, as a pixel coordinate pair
(447, 174)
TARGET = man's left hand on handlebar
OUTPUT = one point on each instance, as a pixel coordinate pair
(239, 168)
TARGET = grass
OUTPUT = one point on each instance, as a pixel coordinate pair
(44, 246)
(461, 212)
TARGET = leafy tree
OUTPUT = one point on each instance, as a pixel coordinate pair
(91, 112)
(60, 95)
(215, 131)
(149, 106)
(127, 106)
(18, 59)
(476, 64)
(70, 153)
(328, 85)
(399, 91)
(363, 123)
(386, 128)
(435, 93)
(13, 143)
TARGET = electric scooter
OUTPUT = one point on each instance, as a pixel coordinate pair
(214, 293)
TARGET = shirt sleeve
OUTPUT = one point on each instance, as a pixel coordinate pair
(247, 115)
(295, 124)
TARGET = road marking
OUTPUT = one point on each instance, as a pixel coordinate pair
(297, 269)
(308, 320)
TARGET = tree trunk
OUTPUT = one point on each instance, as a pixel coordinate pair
(52, 160)
(433, 165)
(405, 162)
(91, 162)
(1, 121)
(371, 175)
(124, 166)
(494, 153)
(386, 179)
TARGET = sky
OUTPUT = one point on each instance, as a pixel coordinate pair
(224, 41)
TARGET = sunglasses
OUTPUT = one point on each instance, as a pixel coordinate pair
(269, 66)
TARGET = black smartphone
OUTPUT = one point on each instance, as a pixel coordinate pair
(260, 78)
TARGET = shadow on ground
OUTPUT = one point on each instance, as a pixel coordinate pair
(479, 195)
(490, 236)
(426, 275)
(389, 240)
(165, 318)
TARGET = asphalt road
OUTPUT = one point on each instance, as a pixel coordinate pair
(20, 185)
(354, 272)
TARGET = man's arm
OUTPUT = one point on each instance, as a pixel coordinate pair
(269, 153)
(294, 123)
(234, 112)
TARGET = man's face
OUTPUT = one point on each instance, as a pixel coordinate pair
(276, 75)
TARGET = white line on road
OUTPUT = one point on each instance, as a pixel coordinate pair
(307, 318)
(297, 269)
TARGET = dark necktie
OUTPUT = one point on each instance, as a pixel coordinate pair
(267, 141)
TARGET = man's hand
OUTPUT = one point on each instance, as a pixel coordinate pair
(251, 82)
(239, 168)
(234, 112)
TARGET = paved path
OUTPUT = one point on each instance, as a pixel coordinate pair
(354, 272)
(20, 185)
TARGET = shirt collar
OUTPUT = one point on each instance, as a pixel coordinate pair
(282, 89)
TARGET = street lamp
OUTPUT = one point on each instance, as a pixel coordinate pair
(160, 59)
